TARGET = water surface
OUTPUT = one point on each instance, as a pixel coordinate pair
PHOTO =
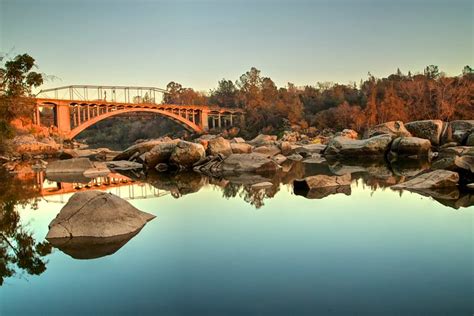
(216, 252)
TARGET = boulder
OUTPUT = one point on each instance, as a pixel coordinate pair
(185, 154)
(262, 140)
(410, 147)
(321, 181)
(393, 128)
(279, 159)
(310, 149)
(97, 214)
(460, 130)
(286, 148)
(140, 148)
(236, 164)
(345, 147)
(465, 162)
(240, 148)
(268, 150)
(160, 153)
(431, 180)
(219, 145)
(254, 162)
(427, 129)
(237, 140)
(295, 157)
(470, 139)
(349, 133)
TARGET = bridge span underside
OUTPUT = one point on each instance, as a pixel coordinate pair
(72, 117)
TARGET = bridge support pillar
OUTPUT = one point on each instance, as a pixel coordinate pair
(63, 118)
(205, 120)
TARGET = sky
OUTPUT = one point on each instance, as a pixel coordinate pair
(197, 43)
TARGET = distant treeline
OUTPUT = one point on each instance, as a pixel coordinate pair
(405, 97)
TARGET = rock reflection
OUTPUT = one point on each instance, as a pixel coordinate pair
(91, 247)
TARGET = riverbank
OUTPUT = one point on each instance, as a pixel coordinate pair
(439, 155)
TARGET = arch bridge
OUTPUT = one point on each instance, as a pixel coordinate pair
(78, 107)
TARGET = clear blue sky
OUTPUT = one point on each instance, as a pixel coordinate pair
(197, 43)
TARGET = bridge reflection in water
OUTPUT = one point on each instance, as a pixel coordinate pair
(122, 186)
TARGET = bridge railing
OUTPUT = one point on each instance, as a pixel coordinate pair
(126, 94)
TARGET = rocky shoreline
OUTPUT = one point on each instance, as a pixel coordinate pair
(441, 153)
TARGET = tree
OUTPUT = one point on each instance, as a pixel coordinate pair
(432, 72)
(225, 95)
(16, 82)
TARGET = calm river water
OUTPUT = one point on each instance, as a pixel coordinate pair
(218, 249)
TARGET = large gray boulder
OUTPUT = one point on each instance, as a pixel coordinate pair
(97, 214)
(160, 153)
(255, 163)
(351, 148)
(186, 154)
(410, 147)
(140, 148)
(460, 130)
(393, 128)
(427, 129)
(219, 145)
(431, 180)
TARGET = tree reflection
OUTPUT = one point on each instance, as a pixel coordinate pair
(18, 249)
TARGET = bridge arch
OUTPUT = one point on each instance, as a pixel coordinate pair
(193, 127)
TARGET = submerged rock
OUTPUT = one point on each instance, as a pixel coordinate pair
(321, 181)
(97, 214)
(358, 149)
(320, 186)
(431, 180)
